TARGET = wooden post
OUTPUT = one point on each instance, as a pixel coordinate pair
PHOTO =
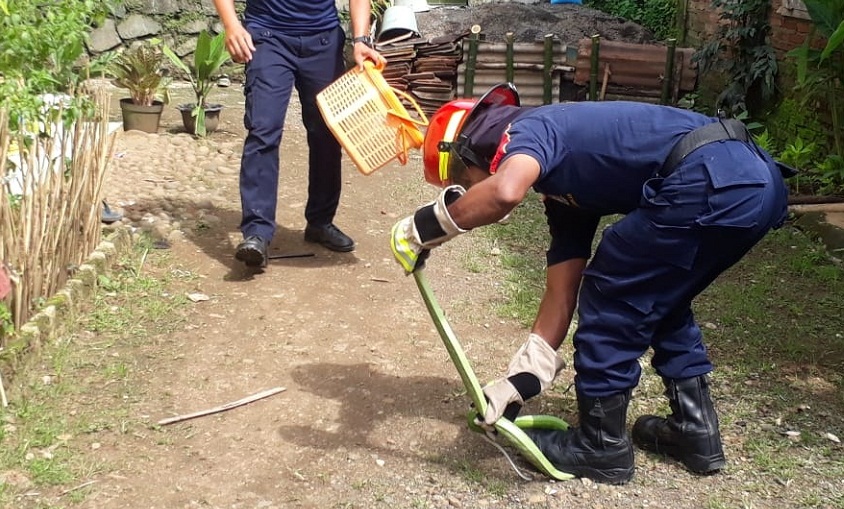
(593, 71)
(510, 72)
(471, 59)
(607, 73)
(668, 78)
(547, 76)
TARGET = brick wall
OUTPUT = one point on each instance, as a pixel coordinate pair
(790, 23)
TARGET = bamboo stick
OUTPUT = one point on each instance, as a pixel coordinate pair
(3, 399)
(222, 408)
(547, 68)
(54, 221)
(593, 69)
(509, 38)
(668, 79)
(471, 59)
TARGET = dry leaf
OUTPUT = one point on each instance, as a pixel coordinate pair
(198, 297)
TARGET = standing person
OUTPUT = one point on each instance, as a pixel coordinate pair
(286, 44)
(697, 194)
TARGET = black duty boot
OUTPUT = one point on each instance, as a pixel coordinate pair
(599, 448)
(252, 251)
(690, 434)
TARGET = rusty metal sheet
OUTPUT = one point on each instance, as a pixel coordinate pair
(640, 66)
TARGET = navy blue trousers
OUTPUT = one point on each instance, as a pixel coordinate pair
(637, 290)
(280, 62)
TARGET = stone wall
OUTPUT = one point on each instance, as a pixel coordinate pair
(176, 22)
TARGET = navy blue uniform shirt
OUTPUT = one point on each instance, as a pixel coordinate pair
(293, 17)
(597, 155)
(595, 159)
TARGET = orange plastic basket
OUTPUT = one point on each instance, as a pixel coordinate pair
(368, 118)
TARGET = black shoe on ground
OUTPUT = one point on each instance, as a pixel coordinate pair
(330, 237)
(252, 251)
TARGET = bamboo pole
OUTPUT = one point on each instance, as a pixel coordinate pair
(605, 81)
(593, 69)
(471, 59)
(509, 57)
(668, 79)
(548, 65)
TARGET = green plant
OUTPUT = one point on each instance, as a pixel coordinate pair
(658, 16)
(740, 49)
(764, 141)
(820, 72)
(798, 154)
(141, 72)
(210, 54)
(830, 174)
(40, 48)
(100, 65)
(376, 9)
(791, 119)
(7, 326)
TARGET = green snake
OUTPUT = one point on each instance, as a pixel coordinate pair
(510, 430)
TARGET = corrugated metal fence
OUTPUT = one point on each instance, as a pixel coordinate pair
(551, 71)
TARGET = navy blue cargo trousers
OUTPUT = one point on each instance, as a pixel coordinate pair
(279, 63)
(638, 288)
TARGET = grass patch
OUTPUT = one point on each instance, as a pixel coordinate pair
(774, 327)
(54, 415)
(523, 261)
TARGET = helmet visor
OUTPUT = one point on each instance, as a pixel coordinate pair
(457, 168)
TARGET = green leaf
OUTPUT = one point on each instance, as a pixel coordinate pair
(835, 40)
(176, 60)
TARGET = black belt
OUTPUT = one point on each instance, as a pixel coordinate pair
(725, 129)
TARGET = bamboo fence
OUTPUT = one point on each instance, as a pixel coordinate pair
(50, 194)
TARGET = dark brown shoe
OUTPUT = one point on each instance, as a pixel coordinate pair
(329, 237)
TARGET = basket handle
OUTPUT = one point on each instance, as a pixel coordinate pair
(421, 123)
(370, 64)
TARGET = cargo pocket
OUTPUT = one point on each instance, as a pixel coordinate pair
(736, 199)
(259, 37)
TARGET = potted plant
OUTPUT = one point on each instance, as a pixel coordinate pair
(200, 117)
(140, 70)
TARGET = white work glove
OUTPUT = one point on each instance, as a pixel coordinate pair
(431, 225)
(530, 372)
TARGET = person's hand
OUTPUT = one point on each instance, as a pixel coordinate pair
(362, 53)
(502, 400)
(239, 44)
(531, 371)
(412, 238)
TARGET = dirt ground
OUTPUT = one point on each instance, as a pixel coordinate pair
(373, 412)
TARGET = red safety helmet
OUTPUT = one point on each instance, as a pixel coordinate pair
(440, 150)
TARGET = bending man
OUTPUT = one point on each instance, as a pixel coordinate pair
(696, 194)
